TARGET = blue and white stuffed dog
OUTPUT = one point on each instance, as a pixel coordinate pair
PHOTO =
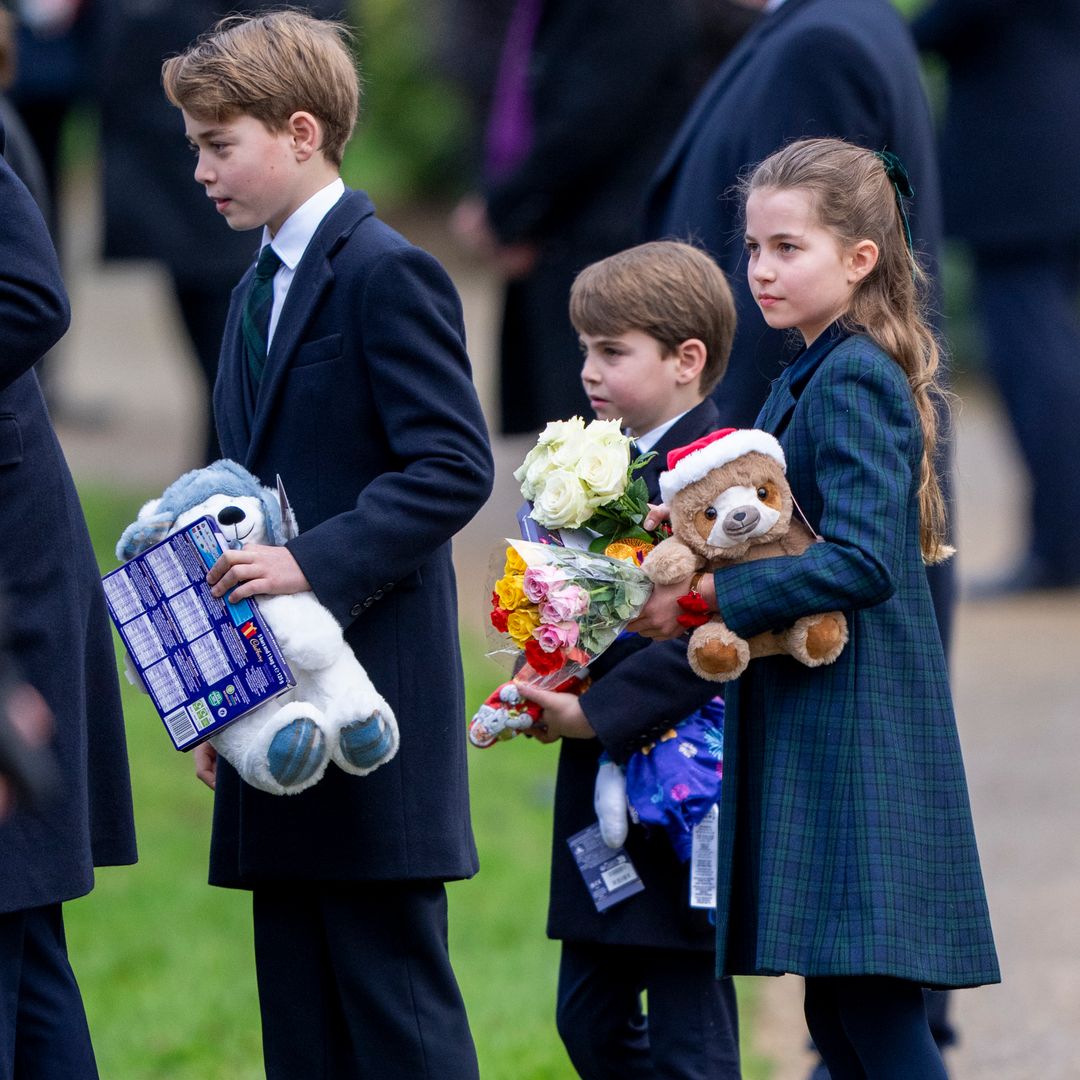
(333, 713)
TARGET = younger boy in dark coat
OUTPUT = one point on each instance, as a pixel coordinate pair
(656, 324)
(363, 403)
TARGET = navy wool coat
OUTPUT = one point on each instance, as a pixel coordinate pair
(58, 628)
(367, 411)
(846, 841)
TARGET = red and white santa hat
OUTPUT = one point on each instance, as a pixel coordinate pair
(690, 463)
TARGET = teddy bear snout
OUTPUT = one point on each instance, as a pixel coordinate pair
(742, 520)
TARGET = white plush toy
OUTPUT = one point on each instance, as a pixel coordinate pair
(333, 712)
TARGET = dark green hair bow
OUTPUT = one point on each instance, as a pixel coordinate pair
(901, 182)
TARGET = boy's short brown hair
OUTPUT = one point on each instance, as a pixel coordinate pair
(270, 66)
(666, 289)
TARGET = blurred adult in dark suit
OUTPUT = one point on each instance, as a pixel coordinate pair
(1010, 155)
(60, 640)
(152, 209)
(587, 95)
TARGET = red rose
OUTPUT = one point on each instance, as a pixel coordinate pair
(543, 663)
(498, 619)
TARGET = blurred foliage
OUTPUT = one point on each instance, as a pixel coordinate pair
(413, 124)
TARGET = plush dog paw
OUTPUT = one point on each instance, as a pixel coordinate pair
(366, 743)
(296, 752)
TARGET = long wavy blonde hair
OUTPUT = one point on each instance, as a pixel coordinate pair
(854, 198)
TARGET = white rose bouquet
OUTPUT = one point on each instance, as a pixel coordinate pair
(580, 476)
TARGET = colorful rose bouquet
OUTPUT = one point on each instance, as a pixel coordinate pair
(559, 608)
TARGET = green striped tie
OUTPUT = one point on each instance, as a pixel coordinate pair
(256, 322)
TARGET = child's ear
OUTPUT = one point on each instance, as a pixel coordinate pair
(862, 257)
(306, 133)
(690, 359)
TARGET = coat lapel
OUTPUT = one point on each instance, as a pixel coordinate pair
(313, 278)
(232, 415)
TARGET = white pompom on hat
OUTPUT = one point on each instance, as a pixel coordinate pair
(690, 463)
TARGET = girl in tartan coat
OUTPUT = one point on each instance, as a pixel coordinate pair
(847, 853)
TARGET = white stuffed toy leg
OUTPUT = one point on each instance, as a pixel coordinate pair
(609, 801)
(360, 729)
(360, 726)
(279, 749)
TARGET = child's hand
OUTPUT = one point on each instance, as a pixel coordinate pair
(563, 716)
(253, 570)
(655, 516)
(659, 618)
(206, 764)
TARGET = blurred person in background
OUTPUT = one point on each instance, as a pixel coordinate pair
(19, 150)
(586, 96)
(61, 641)
(1010, 154)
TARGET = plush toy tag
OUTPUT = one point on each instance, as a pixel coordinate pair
(609, 874)
(703, 860)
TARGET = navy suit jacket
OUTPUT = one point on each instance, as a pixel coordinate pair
(1010, 150)
(59, 631)
(368, 412)
(626, 710)
(842, 68)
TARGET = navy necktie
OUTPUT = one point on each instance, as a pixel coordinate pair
(257, 307)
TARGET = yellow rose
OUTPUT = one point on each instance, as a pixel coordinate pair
(521, 623)
(515, 564)
(510, 592)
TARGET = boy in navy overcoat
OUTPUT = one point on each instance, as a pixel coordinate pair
(60, 641)
(656, 323)
(366, 409)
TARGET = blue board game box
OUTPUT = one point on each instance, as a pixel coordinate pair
(204, 662)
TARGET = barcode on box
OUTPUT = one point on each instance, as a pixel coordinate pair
(622, 873)
(180, 727)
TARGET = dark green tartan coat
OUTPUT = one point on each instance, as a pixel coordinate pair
(846, 843)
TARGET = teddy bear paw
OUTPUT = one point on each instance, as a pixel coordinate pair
(822, 638)
(717, 654)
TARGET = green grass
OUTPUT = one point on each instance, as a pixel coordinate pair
(165, 962)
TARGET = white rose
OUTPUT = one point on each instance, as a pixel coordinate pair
(559, 431)
(603, 466)
(562, 504)
(530, 473)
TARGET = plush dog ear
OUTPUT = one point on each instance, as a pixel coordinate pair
(146, 530)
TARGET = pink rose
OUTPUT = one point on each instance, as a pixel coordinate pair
(555, 636)
(540, 580)
(679, 792)
(566, 603)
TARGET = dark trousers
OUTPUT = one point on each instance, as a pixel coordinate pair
(355, 983)
(692, 1028)
(43, 1029)
(872, 1028)
(1028, 307)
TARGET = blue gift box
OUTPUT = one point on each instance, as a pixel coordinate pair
(203, 661)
